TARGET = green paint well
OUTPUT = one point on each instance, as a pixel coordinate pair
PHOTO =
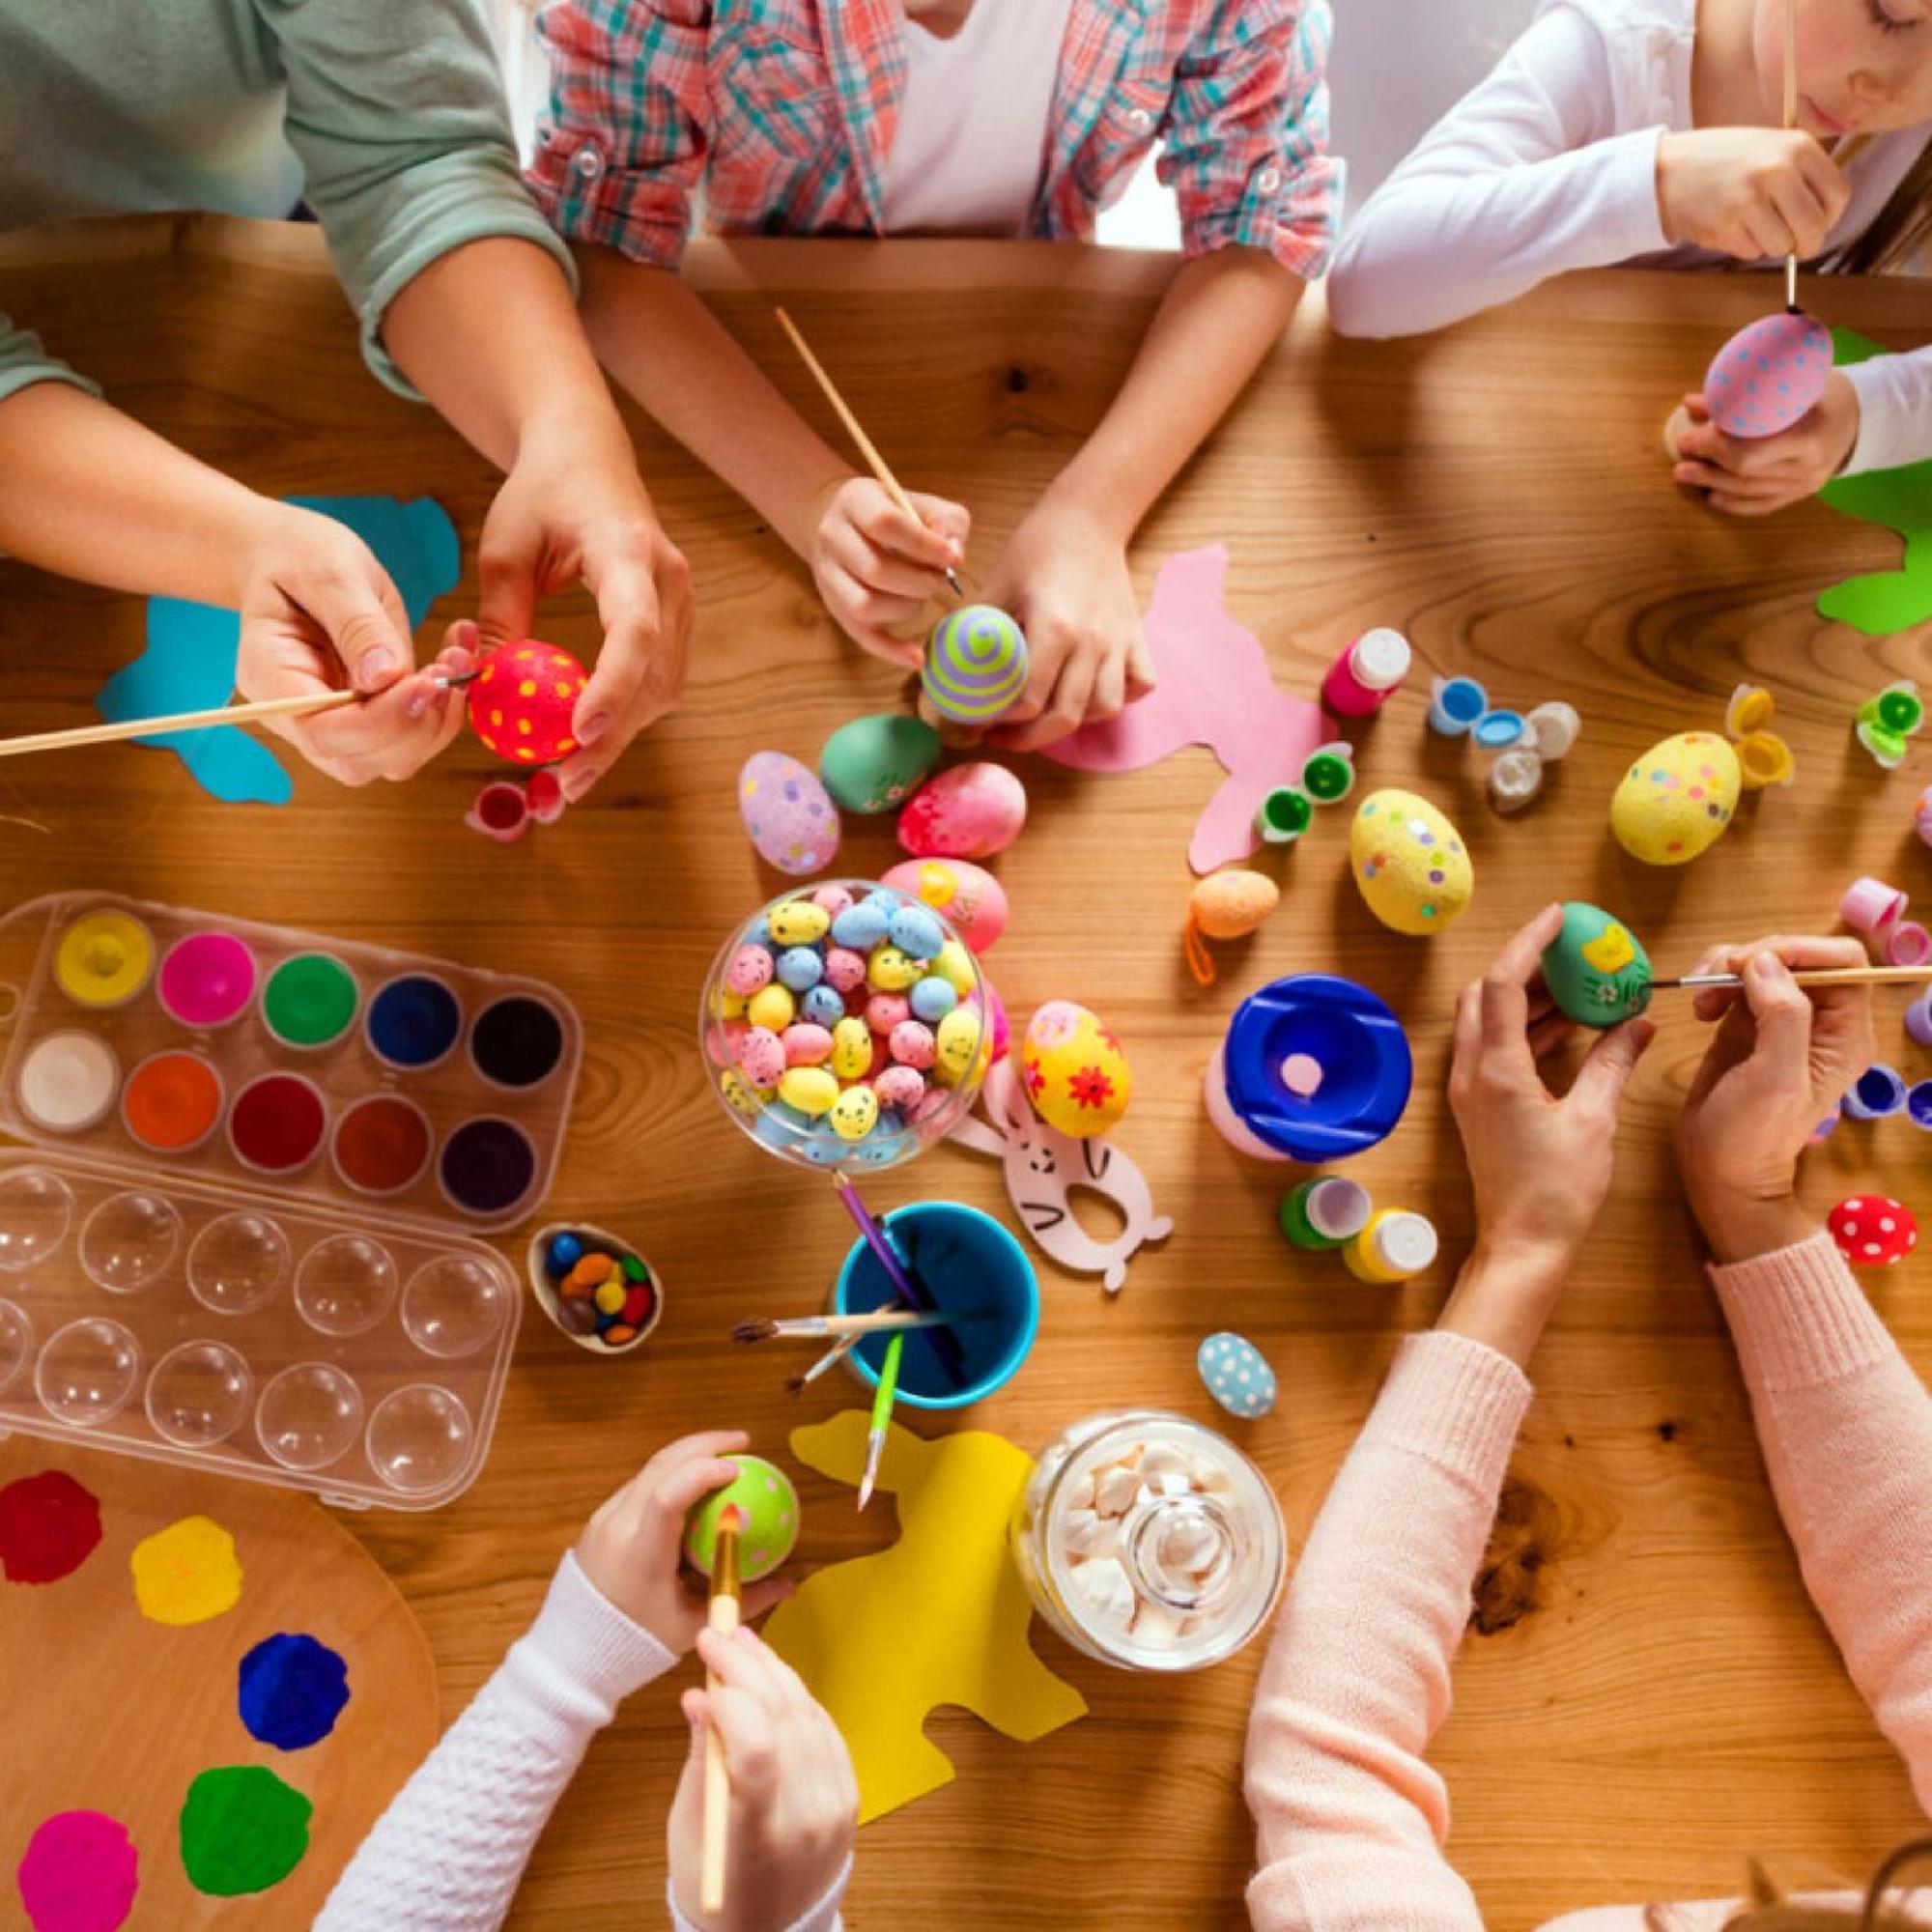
(310, 1000)
(242, 1830)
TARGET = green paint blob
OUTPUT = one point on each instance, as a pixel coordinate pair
(310, 1000)
(242, 1830)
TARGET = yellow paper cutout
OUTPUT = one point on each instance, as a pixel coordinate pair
(939, 1618)
(186, 1573)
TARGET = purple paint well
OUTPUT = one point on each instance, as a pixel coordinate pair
(80, 1875)
(487, 1165)
(292, 1689)
(207, 980)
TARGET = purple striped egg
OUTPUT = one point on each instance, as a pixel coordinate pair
(1768, 375)
(976, 665)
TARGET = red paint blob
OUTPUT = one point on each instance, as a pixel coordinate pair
(48, 1526)
(277, 1123)
(382, 1144)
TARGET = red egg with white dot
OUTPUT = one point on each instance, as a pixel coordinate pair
(523, 699)
(1873, 1231)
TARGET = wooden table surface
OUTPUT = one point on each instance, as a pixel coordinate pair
(1650, 1693)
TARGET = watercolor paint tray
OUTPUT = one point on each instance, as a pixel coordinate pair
(328, 1070)
(286, 1342)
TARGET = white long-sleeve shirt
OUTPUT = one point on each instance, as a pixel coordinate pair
(450, 1851)
(1550, 165)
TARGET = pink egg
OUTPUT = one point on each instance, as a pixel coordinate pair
(1769, 375)
(805, 1044)
(901, 1086)
(832, 898)
(721, 1040)
(1003, 1033)
(886, 1010)
(750, 970)
(762, 1057)
(960, 890)
(844, 968)
(968, 812)
(788, 815)
(912, 1045)
(936, 1097)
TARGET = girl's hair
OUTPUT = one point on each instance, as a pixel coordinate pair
(1886, 1905)
(1900, 229)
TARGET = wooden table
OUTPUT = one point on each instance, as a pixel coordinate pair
(1651, 1692)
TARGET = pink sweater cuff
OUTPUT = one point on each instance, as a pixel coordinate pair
(1454, 1401)
(1799, 1317)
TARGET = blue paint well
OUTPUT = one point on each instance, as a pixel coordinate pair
(412, 1021)
(293, 1689)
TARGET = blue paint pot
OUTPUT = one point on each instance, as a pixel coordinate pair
(412, 1022)
(1877, 1092)
(1455, 703)
(971, 1264)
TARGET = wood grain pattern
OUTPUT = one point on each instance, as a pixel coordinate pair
(1653, 1693)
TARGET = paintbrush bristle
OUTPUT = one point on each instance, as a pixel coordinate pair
(796, 1384)
(755, 1332)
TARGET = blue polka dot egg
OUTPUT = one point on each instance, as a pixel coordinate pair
(1236, 1375)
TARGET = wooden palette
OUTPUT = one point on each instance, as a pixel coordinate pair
(108, 1711)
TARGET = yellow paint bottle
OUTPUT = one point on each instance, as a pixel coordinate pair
(1396, 1245)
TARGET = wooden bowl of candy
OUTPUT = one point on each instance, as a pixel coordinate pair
(593, 1285)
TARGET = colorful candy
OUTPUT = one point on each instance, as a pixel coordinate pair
(976, 665)
(597, 1290)
(521, 700)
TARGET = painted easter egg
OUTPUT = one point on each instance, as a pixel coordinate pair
(1873, 1230)
(1676, 800)
(764, 1493)
(875, 763)
(1596, 968)
(1235, 1374)
(968, 812)
(1227, 905)
(1769, 375)
(1074, 1071)
(1411, 863)
(787, 814)
(521, 700)
(969, 895)
(976, 665)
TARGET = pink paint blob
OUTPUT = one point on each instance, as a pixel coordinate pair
(80, 1875)
(206, 979)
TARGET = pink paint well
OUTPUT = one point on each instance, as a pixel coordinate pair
(80, 1874)
(206, 979)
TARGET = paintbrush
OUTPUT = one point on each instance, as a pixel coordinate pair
(1814, 976)
(882, 1416)
(913, 1292)
(855, 1325)
(723, 1615)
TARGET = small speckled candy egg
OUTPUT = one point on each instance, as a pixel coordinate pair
(739, 1094)
(1409, 863)
(844, 968)
(832, 898)
(764, 1493)
(875, 763)
(1231, 904)
(910, 1044)
(861, 926)
(805, 1044)
(822, 1007)
(886, 1010)
(855, 1113)
(799, 922)
(750, 970)
(955, 1044)
(968, 894)
(851, 1049)
(955, 965)
(1769, 375)
(521, 702)
(800, 968)
(1676, 800)
(1236, 1375)
(915, 932)
(772, 1007)
(811, 1090)
(889, 971)
(932, 999)
(968, 812)
(1595, 968)
(901, 1086)
(789, 815)
(1074, 1071)
(762, 1057)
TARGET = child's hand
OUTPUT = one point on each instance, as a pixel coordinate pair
(320, 613)
(631, 1548)
(1781, 1059)
(1540, 1165)
(1064, 578)
(878, 568)
(794, 1800)
(1750, 192)
(1752, 476)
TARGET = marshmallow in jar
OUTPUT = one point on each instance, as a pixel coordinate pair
(1148, 1540)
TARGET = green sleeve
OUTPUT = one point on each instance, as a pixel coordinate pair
(23, 362)
(396, 112)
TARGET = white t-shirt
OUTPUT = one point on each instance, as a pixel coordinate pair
(971, 143)
(1550, 165)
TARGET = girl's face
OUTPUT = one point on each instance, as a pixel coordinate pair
(1865, 67)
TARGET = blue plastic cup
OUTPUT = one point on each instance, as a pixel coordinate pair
(974, 1268)
(1455, 703)
(1877, 1094)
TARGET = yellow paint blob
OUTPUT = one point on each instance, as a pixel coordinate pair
(186, 1573)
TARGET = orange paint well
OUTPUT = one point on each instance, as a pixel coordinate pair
(172, 1101)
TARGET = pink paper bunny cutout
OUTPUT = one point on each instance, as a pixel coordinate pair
(1042, 1166)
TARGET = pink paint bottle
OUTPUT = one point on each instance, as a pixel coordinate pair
(1359, 681)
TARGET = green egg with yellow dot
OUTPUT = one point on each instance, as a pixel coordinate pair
(1596, 968)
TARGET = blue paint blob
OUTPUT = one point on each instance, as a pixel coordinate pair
(412, 1022)
(293, 1689)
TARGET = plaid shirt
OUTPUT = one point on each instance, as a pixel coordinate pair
(778, 116)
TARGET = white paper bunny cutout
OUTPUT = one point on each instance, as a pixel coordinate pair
(1041, 1166)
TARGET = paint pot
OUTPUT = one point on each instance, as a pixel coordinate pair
(36, 1212)
(412, 1022)
(310, 1001)
(500, 812)
(277, 1123)
(1869, 905)
(1325, 1213)
(1349, 1034)
(419, 1438)
(1395, 1246)
(1455, 703)
(1877, 1094)
(1918, 1105)
(974, 1268)
(1284, 816)
(309, 1415)
(68, 1082)
(238, 1263)
(87, 1371)
(104, 959)
(207, 980)
(380, 1144)
(1360, 680)
(172, 1101)
(1907, 942)
(345, 1285)
(517, 1041)
(487, 1166)
(1919, 1018)
(455, 1303)
(198, 1394)
(129, 1242)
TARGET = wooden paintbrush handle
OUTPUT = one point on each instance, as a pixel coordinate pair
(182, 720)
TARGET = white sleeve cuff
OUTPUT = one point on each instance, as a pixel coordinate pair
(1895, 395)
(1633, 223)
(822, 1917)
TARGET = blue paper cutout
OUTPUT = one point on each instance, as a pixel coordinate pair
(188, 663)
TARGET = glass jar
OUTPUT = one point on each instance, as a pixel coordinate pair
(1151, 1542)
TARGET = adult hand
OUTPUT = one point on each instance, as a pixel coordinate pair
(1749, 192)
(1752, 476)
(877, 568)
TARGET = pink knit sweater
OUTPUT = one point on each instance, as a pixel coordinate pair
(1351, 1821)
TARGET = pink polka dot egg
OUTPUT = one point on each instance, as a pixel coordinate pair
(1769, 375)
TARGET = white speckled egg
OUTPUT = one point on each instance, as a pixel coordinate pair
(965, 894)
(787, 814)
(1676, 800)
(968, 812)
(1074, 1071)
(1409, 862)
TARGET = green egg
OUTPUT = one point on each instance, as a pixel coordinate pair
(765, 1493)
(876, 764)
(1596, 968)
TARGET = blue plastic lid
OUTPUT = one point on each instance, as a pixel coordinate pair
(1496, 731)
(1349, 1033)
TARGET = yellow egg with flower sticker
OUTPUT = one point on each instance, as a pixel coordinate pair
(1074, 1071)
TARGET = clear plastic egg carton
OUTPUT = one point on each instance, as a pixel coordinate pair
(140, 1032)
(173, 1319)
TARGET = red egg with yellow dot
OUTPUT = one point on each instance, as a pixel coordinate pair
(521, 702)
